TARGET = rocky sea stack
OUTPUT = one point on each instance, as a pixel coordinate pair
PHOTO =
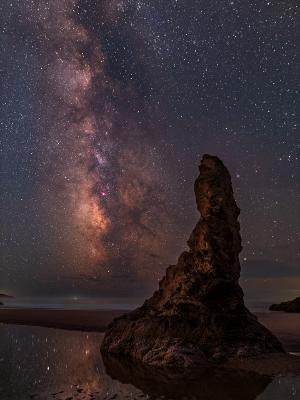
(197, 316)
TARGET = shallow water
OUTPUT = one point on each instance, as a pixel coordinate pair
(41, 363)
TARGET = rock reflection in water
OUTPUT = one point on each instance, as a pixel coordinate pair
(207, 384)
(50, 364)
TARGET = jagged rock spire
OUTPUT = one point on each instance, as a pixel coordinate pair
(197, 315)
(217, 234)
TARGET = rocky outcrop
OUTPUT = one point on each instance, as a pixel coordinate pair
(197, 316)
(292, 306)
(4, 296)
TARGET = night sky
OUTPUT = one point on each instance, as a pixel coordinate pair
(106, 109)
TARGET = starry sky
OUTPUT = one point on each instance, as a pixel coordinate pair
(106, 109)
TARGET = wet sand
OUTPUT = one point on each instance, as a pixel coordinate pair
(271, 364)
(285, 326)
(81, 320)
(48, 364)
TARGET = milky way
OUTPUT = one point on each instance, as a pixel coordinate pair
(107, 108)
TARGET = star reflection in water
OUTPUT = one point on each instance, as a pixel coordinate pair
(43, 364)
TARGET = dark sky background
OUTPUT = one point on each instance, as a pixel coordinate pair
(106, 110)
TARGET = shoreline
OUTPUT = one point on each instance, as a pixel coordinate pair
(78, 319)
(285, 326)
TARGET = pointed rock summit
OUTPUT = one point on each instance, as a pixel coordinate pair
(197, 316)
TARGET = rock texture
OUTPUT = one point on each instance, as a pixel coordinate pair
(292, 306)
(197, 316)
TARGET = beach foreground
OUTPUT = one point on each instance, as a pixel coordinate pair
(66, 363)
(47, 364)
(80, 320)
(285, 326)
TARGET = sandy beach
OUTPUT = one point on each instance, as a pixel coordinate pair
(285, 326)
(82, 320)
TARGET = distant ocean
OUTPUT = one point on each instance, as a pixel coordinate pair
(258, 306)
(96, 303)
(67, 303)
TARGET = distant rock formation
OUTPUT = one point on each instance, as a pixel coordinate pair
(292, 306)
(197, 316)
(4, 296)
